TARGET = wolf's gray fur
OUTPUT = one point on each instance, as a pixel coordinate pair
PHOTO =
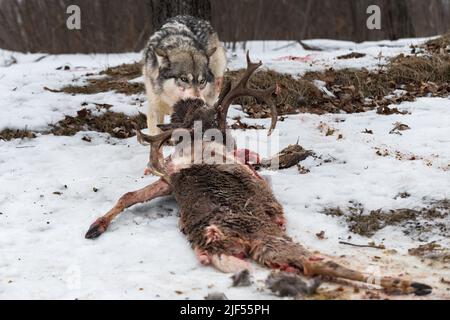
(183, 59)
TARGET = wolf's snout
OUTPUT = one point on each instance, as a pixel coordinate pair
(193, 93)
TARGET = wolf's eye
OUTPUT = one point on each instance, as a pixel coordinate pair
(184, 79)
(202, 82)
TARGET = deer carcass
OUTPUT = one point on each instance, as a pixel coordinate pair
(227, 211)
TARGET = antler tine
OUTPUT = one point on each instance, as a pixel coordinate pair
(156, 156)
(241, 89)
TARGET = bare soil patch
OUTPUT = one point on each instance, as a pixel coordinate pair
(353, 90)
(11, 134)
(432, 251)
(439, 45)
(118, 125)
(353, 55)
(114, 79)
(416, 223)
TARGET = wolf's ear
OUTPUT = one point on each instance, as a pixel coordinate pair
(161, 56)
(210, 52)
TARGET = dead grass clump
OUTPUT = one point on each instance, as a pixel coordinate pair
(295, 93)
(104, 85)
(118, 125)
(431, 251)
(419, 69)
(126, 70)
(353, 55)
(414, 223)
(116, 79)
(11, 134)
(439, 45)
(361, 81)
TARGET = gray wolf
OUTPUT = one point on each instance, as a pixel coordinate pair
(183, 59)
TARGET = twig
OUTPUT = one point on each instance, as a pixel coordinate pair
(363, 245)
(41, 58)
(52, 90)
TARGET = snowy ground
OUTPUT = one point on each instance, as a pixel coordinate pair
(43, 253)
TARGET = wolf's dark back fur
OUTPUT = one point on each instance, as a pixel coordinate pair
(177, 32)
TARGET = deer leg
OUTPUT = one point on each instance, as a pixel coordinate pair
(153, 191)
(282, 253)
(393, 284)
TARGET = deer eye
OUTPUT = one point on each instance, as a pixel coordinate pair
(184, 79)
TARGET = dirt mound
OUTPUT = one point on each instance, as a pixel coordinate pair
(415, 223)
(352, 90)
(126, 70)
(295, 93)
(419, 69)
(115, 79)
(439, 45)
(353, 55)
(104, 85)
(431, 251)
(118, 125)
(11, 134)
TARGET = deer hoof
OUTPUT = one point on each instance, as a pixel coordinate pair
(97, 229)
(420, 289)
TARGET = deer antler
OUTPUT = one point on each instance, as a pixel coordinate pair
(241, 89)
(156, 155)
(226, 97)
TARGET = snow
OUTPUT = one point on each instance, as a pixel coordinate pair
(43, 253)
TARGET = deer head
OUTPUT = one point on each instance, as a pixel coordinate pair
(187, 112)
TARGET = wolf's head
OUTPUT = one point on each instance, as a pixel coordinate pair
(185, 74)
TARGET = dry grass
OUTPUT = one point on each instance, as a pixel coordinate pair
(295, 93)
(11, 134)
(118, 125)
(439, 45)
(115, 79)
(412, 221)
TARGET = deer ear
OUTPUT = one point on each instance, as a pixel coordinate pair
(210, 52)
(161, 56)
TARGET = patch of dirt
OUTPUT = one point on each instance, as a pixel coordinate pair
(416, 223)
(352, 90)
(126, 70)
(118, 125)
(439, 45)
(238, 124)
(353, 55)
(11, 134)
(431, 251)
(295, 94)
(114, 79)
(104, 85)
